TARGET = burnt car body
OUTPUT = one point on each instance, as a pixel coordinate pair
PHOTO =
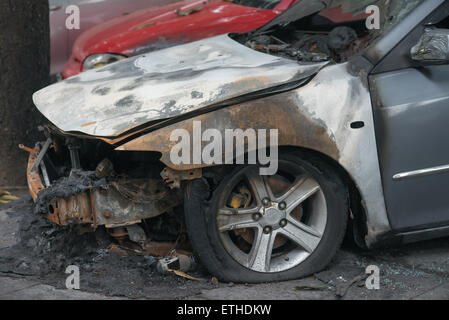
(358, 115)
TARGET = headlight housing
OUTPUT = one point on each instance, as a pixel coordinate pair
(98, 60)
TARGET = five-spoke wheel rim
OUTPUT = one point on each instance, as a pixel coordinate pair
(284, 222)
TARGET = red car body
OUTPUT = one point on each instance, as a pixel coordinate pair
(155, 28)
(181, 22)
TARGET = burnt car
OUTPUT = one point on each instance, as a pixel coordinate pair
(360, 115)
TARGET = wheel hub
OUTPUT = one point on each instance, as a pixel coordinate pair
(272, 216)
(276, 229)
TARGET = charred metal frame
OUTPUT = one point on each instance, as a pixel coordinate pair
(117, 205)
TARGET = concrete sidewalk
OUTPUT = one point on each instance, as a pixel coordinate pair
(23, 289)
(416, 271)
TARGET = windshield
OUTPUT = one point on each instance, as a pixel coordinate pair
(260, 4)
(395, 11)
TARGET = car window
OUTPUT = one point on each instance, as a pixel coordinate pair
(261, 4)
(396, 11)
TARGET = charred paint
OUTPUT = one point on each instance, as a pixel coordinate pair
(102, 91)
(196, 95)
(219, 68)
(296, 128)
(128, 101)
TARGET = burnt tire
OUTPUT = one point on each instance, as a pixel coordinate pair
(213, 244)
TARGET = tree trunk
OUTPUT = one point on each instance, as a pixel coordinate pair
(24, 69)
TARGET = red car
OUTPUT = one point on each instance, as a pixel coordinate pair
(156, 28)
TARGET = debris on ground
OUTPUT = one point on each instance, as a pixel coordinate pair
(121, 252)
(183, 274)
(214, 281)
(177, 263)
(310, 288)
(413, 271)
(6, 197)
(45, 250)
(343, 287)
(159, 249)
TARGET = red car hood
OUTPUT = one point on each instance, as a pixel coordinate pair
(123, 34)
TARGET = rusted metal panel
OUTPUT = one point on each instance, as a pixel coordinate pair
(124, 205)
(162, 84)
(295, 126)
(33, 177)
(173, 178)
(74, 210)
(124, 202)
(111, 207)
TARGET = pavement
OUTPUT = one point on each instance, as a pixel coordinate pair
(416, 271)
(22, 289)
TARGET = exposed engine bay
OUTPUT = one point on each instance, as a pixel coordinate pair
(313, 39)
(84, 181)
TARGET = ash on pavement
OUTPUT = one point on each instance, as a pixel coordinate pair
(34, 249)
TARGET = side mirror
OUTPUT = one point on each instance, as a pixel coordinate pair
(433, 46)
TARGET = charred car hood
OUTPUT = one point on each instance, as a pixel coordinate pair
(163, 84)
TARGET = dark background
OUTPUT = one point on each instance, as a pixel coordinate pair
(24, 69)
